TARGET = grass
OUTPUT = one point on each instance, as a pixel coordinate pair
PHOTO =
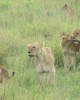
(26, 21)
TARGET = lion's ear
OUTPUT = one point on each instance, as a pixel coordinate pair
(41, 44)
(72, 36)
(65, 5)
(29, 45)
(63, 33)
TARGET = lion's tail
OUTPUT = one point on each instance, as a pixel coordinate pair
(13, 73)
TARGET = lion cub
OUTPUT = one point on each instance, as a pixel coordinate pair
(69, 49)
(69, 11)
(76, 35)
(44, 62)
(4, 74)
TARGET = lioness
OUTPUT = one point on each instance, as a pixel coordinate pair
(76, 35)
(69, 49)
(44, 61)
(69, 11)
(4, 75)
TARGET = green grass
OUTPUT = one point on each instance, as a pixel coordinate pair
(26, 21)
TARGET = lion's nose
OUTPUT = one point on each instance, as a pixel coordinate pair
(28, 51)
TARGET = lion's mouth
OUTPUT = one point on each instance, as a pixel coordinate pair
(76, 41)
(63, 45)
(31, 55)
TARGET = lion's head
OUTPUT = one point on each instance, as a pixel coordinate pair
(34, 49)
(66, 38)
(76, 35)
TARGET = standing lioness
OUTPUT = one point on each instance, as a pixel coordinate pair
(44, 61)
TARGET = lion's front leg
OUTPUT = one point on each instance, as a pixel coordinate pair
(40, 78)
(72, 62)
(66, 62)
(51, 77)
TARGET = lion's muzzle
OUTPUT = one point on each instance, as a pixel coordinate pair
(30, 55)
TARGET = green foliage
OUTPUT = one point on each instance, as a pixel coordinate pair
(26, 21)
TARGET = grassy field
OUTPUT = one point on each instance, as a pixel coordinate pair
(27, 21)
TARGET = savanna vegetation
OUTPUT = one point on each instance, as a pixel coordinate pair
(27, 21)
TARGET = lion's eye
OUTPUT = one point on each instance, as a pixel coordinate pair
(33, 46)
(63, 38)
(77, 33)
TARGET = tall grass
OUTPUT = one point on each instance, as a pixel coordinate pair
(26, 21)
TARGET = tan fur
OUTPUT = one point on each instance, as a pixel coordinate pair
(44, 61)
(69, 11)
(69, 49)
(76, 35)
(4, 74)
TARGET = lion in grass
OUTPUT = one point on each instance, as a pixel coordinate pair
(69, 50)
(76, 36)
(69, 11)
(44, 62)
(4, 75)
